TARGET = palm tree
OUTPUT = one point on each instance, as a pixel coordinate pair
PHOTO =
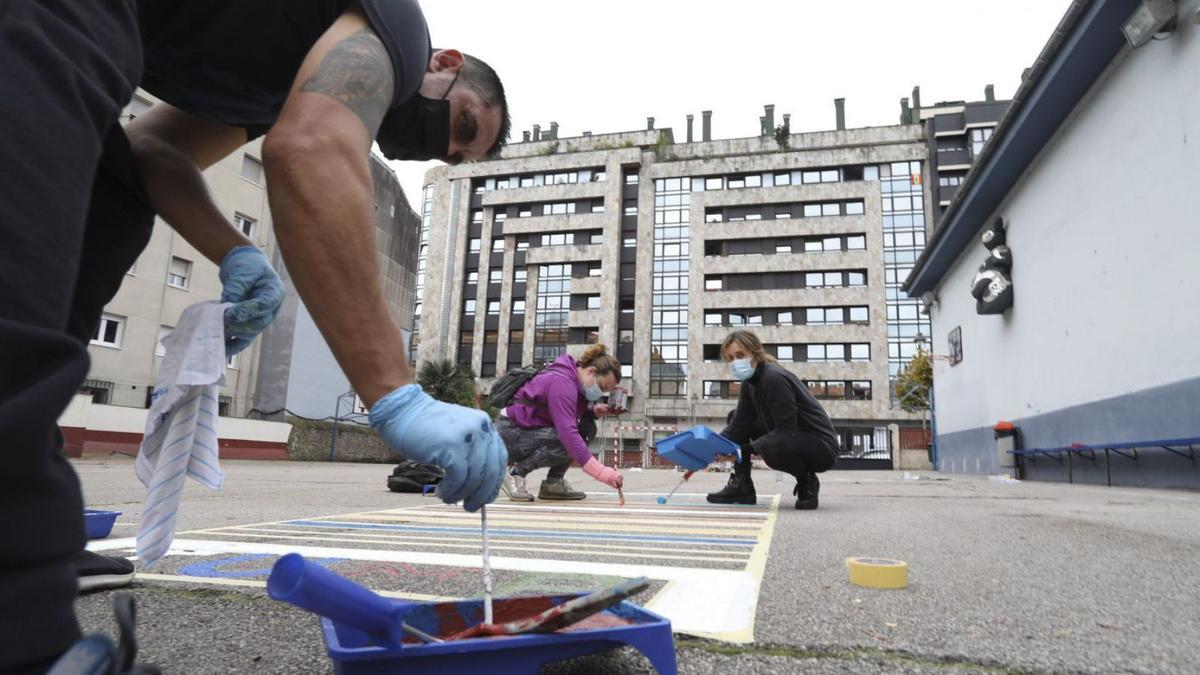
(448, 381)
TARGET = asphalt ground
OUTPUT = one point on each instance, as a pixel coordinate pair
(1028, 577)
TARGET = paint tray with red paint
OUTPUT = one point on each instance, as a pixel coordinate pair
(368, 633)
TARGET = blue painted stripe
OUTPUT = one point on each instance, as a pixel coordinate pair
(552, 534)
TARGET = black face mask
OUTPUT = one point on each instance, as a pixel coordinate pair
(419, 129)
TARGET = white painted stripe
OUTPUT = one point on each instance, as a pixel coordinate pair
(524, 517)
(475, 547)
(586, 524)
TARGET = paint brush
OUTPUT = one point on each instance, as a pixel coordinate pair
(487, 569)
(663, 500)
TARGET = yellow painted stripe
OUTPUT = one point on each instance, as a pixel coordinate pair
(522, 549)
(474, 518)
(474, 542)
(255, 583)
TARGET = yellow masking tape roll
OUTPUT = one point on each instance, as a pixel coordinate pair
(878, 572)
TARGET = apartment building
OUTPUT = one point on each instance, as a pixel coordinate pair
(660, 248)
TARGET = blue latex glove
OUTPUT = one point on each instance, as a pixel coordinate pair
(257, 294)
(461, 440)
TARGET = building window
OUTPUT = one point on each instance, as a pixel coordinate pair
(979, 138)
(626, 370)
(99, 390)
(473, 277)
(495, 276)
(713, 283)
(109, 331)
(598, 207)
(466, 338)
(516, 336)
(784, 352)
(631, 179)
(630, 210)
(493, 308)
(252, 169)
(491, 337)
(520, 276)
(245, 224)
(518, 307)
(858, 315)
(469, 307)
(593, 302)
(498, 245)
(473, 245)
(178, 272)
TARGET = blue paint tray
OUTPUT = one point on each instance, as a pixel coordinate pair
(99, 523)
(355, 653)
(695, 448)
(366, 632)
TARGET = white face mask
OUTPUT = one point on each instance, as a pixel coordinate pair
(593, 392)
(741, 369)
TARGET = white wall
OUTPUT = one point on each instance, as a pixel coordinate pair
(83, 414)
(1105, 234)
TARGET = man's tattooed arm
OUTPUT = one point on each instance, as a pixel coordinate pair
(357, 72)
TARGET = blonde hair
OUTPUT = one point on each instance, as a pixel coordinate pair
(748, 341)
(597, 357)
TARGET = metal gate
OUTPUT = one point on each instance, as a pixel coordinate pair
(864, 448)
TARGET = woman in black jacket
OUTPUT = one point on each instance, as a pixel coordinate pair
(776, 418)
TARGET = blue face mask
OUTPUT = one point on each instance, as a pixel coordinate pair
(593, 392)
(741, 369)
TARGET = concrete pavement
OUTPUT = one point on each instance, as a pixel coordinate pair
(1032, 577)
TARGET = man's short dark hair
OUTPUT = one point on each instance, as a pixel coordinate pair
(484, 81)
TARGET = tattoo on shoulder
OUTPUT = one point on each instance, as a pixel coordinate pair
(357, 72)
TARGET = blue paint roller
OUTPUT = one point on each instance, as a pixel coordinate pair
(310, 586)
(663, 500)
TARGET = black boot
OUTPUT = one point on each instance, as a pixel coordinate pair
(739, 489)
(806, 492)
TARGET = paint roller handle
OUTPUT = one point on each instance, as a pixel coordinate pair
(310, 586)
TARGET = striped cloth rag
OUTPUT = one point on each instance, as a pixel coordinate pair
(181, 428)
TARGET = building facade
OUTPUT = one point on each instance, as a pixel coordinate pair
(956, 132)
(289, 367)
(1094, 183)
(660, 249)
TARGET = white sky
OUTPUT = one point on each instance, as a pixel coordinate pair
(606, 66)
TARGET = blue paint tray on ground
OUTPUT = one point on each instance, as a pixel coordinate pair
(355, 653)
(695, 448)
(366, 633)
(99, 523)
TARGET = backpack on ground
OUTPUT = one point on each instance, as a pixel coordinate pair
(505, 387)
(412, 476)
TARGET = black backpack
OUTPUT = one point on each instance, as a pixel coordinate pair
(412, 476)
(506, 386)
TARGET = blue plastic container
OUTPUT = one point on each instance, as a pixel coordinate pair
(695, 448)
(363, 630)
(354, 652)
(99, 524)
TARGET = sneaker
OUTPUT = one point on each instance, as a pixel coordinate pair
(739, 490)
(560, 489)
(514, 488)
(97, 571)
(96, 654)
(806, 499)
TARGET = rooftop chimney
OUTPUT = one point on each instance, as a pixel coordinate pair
(839, 113)
(689, 135)
(769, 109)
(649, 123)
(916, 104)
(537, 132)
(762, 126)
(787, 123)
(905, 115)
(706, 126)
(587, 134)
(554, 131)
(524, 136)
(989, 93)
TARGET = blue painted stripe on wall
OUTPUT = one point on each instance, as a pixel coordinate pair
(1166, 411)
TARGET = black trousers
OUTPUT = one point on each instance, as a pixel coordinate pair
(69, 68)
(810, 453)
